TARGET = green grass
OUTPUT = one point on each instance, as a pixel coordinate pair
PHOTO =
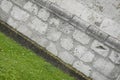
(19, 63)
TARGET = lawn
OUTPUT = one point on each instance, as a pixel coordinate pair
(19, 63)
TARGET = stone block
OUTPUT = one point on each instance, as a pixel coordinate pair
(66, 28)
(52, 48)
(53, 34)
(91, 16)
(6, 5)
(104, 66)
(3, 15)
(115, 57)
(79, 51)
(81, 37)
(43, 14)
(19, 14)
(25, 30)
(87, 57)
(79, 23)
(97, 33)
(66, 57)
(80, 66)
(111, 27)
(13, 23)
(54, 22)
(98, 76)
(66, 43)
(60, 11)
(20, 2)
(38, 25)
(32, 8)
(113, 42)
(100, 48)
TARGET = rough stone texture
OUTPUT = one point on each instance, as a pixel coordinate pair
(20, 2)
(72, 6)
(82, 68)
(53, 34)
(115, 57)
(87, 57)
(12, 22)
(25, 30)
(98, 76)
(6, 5)
(31, 7)
(107, 26)
(81, 37)
(79, 51)
(104, 66)
(66, 28)
(66, 43)
(38, 25)
(19, 14)
(91, 17)
(54, 22)
(3, 15)
(118, 78)
(66, 57)
(100, 48)
(43, 14)
(52, 48)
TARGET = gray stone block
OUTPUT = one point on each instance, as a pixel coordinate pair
(3, 16)
(113, 42)
(60, 12)
(97, 33)
(79, 23)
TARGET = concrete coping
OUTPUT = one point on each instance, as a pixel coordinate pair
(86, 27)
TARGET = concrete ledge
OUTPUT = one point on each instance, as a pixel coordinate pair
(25, 41)
(82, 25)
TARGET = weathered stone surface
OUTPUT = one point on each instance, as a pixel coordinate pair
(81, 37)
(13, 22)
(79, 51)
(54, 22)
(66, 57)
(66, 43)
(25, 30)
(85, 69)
(115, 57)
(72, 6)
(38, 25)
(118, 78)
(107, 26)
(100, 48)
(53, 34)
(113, 42)
(98, 76)
(6, 5)
(33, 8)
(40, 40)
(79, 23)
(43, 14)
(60, 11)
(91, 16)
(104, 66)
(52, 48)
(19, 14)
(97, 33)
(66, 28)
(87, 57)
(19, 2)
(3, 15)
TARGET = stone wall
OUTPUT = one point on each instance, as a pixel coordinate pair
(86, 47)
